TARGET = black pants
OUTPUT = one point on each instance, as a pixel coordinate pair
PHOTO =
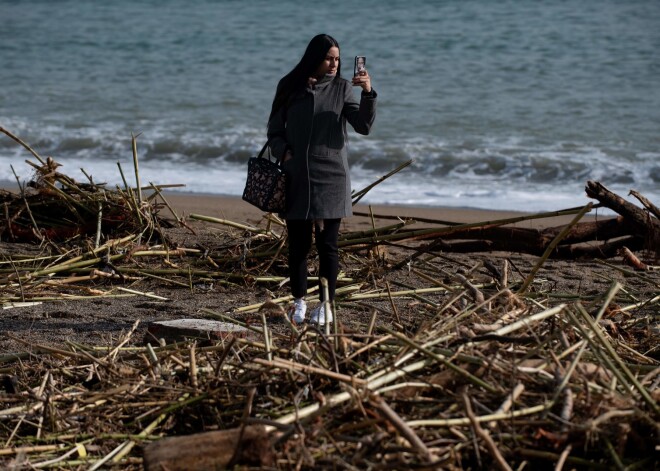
(300, 242)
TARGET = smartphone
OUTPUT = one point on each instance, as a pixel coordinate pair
(360, 65)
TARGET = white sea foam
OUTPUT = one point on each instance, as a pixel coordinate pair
(511, 174)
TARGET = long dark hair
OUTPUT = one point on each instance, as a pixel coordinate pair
(296, 80)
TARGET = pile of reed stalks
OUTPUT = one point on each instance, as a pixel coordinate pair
(486, 379)
(53, 207)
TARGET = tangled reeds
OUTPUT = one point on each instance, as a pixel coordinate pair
(54, 207)
(480, 382)
(433, 361)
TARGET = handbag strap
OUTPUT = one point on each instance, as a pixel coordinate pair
(263, 149)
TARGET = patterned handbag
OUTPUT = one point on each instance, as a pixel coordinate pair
(266, 183)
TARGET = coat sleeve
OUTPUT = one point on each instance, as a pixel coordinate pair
(277, 133)
(360, 115)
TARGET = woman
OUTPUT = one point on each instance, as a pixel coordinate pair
(307, 133)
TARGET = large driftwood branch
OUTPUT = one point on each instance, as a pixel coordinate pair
(589, 231)
(599, 249)
(571, 252)
(629, 211)
(647, 204)
(642, 222)
(534, 239)
(634, 228)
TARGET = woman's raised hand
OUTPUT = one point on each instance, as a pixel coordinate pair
(363, 80)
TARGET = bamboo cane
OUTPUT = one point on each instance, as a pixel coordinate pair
(442, 359)
(552, 246)
(375, 231)
(136, 167)
(357, 196)
(485, 436)
(596, 329)
(464, 421)
(226, 222)
(27, 206)
(148, 295)
(340, 398)
(403, 428)
(27, 147)
(99, 219)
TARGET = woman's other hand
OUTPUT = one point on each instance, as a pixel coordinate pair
(287, 156)
(363, 80)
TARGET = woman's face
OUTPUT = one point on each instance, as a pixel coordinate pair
(330, 64)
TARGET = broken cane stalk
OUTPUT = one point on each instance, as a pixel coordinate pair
(551, 247)
(357, 196)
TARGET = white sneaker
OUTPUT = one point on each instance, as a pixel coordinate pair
(320, 316)
(297, 311)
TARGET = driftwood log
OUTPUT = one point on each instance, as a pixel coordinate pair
(221, 449)
(634, 229)
(629, 211)
(643, 222)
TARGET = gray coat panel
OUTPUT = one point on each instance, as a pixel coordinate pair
(313, 128)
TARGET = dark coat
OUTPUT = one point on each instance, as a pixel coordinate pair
(313, 128)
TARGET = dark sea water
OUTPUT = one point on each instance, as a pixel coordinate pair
(503, 105)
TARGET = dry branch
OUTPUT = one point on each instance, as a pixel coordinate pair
(647, 203)
(646, 226)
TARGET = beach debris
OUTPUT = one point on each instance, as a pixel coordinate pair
(630, 258)
(653, 209)
(54, 207)
(433, 360)
(644, 224)
(549, 380)
(222, 449)
(200, 329)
